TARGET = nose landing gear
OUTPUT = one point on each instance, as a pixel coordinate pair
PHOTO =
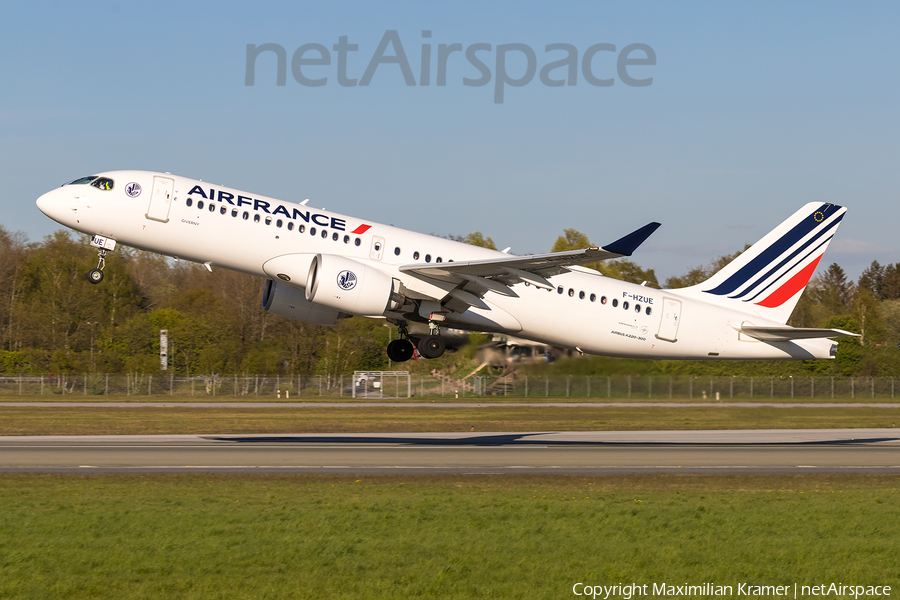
(103, 246)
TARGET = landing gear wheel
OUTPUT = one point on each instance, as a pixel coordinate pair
(431, 346)
(95, 276)
(400, 350)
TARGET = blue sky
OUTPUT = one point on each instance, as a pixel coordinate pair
(754, 110)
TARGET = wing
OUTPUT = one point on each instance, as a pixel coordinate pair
(477, 277)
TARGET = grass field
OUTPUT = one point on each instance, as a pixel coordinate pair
(469, 399)
(168, 420)
(194, 536)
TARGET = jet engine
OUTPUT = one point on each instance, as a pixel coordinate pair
(290, 302)
(350, 286)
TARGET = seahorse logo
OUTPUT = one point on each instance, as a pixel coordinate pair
(347, 280)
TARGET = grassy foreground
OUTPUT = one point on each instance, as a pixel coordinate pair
(305, 536)
(173, 420)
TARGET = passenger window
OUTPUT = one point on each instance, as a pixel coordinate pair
(256, 218)
(301, 229)
(212, 207)
(559, 290)
(268, 220)
(571, 293)
(103, 183)
(397, 251)
(625, 305)
(188, 202)
(234, 212)
(278, 223)
(648, 311)
(223, 210)
(637, 308)
(581, 295)
(428, 258)
(603, 300)
(346, 239)
(335, 236)
(357, 241)
(615, 302)
(593, 297)
(246, 215)
(312, 231)
(199, 204)
(290, 225)
(416, 255)
(324, 233)
(438, 259)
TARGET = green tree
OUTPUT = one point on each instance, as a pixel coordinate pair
(890, 316)
(13, 249)
(478, 239)
(57, 309)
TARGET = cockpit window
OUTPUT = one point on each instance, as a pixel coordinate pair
(104, 183)
(82, 180)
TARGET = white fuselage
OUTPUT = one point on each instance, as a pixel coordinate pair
(259, 236)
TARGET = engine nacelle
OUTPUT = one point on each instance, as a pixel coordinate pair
(290, 302)
(350, 286)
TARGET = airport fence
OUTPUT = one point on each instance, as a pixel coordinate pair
(398, 385)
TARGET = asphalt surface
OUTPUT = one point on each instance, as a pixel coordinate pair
(472, 404)
(741, 451)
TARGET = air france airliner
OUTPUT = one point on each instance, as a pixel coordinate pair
(320, 266)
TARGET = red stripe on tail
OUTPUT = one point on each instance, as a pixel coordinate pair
(791, 287)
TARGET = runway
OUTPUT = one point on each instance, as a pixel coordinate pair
(301, 405)
(608, 452)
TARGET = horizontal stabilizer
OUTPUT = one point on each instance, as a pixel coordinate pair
(784, 334)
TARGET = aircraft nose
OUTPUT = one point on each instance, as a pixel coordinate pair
(53, 204)
(44, 202)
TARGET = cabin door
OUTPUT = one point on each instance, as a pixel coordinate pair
(671, 317)
(161, 199)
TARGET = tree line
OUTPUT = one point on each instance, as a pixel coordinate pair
(53, 321)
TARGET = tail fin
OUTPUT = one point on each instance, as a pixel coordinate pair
(770, 276)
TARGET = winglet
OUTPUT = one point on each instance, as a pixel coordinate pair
(628, 244)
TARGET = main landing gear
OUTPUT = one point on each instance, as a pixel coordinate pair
(432, 345)
(429, 346)
(400, 350)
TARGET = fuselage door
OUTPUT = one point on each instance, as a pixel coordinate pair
(671, 317)
(377, 248)
(161, 199)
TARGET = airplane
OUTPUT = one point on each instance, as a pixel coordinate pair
(320, 266)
